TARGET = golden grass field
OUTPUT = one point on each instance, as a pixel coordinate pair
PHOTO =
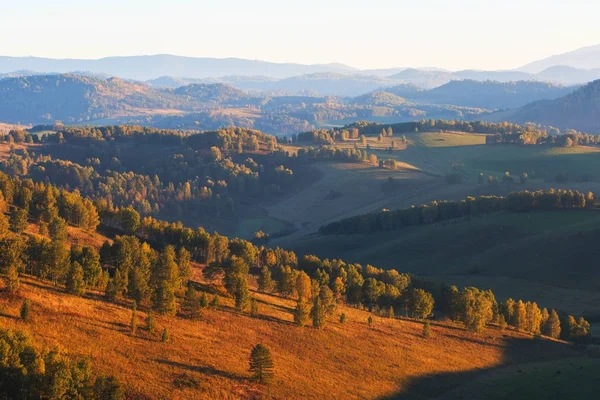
(340, 362)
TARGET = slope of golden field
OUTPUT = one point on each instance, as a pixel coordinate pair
(343, 361)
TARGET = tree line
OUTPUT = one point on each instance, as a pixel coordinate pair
(439, 211)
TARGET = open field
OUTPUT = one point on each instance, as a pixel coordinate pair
(329, 363)
(546, 256)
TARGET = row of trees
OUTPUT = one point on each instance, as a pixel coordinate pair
(438, 211)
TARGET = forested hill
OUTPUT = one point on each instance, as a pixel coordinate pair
(490, 94)
(75, 98)
(579, 110)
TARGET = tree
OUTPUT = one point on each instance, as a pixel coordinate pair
(579, 330)
(242, 294)
(184, 259)
(520, 316)
(303, 286)
(150, 322)
(551, 327)
(111, 290)
(75, 283)
(12, 279)
(164, 300)
(18, 220)
(253, 307)
(108, 388)
(261, 364)
(58, 229)
(370, 320)
(25, 310)
(421, 303)
(265, 282)
(301, 313)
(343, 318)
(426, 330)
(129, 220)
(191, 303)
(4, 223)
(165, 336)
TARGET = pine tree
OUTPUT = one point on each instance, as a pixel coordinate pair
(261, 364)
(520, 316)
(12, 279)
(150, 322)
(25, 310)
(253, 307)
(370, 320)
(242, 295)
(165, 336)
(18, 220)
(191, 303)
(265, 282)
(343, 318)
(301, 313)
(111, 290)
(215, 302)
(426, 330)
(75, 283)
(203, 300)
(164, 300)
(553, 325)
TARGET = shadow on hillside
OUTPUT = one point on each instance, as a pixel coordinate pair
(517, 352)
(257, 316)
(202, 369)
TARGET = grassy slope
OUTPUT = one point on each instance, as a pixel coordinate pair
(546, 256)
(310, 364)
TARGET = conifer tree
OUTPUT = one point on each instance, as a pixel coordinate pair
(426, 330)
(343, 318)
(25, 310)
(301, 313)
(253, 307)
(265, 282)
(165, 336)
(215, 302)
(520, 316)
(191, 303)
(150, 322)
(261, 364)
(242, 295)
(111, 290)
(164, 300)
(75, 283)
(18, 220)
(390, 312)
(203, 300)
(12, 280)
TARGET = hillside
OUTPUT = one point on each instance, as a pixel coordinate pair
(379, 99)
(579, 110)
(74, 98)
(490, 94)
(216, 92)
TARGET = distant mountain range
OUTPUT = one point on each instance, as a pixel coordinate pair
(577, 67)
(579, 110)
(584, 58)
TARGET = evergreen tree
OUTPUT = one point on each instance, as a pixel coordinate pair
(191, 303)
(75, 283)
(25, 310)
(150, 322)
(301, 313)
(343, 318)
(265, 282)
(426, 330)
(164, 300)
(421, 303)
(553, 325)
(370, 320)
(57, 228)
(12, 280)
(261, 364)
(108, 388)
(520, 316)
(165, 336)
(111, 290)
(242, 295)
(203, 300)
(215, 302)
(253, 307)
(184, 265)
(18, 220)
(390, 312)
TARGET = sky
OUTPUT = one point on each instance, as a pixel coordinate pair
(366, 34)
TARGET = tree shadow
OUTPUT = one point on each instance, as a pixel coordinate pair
(517, 352)
(203, 370)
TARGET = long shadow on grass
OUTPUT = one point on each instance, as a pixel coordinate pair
(517, 352)
(202, 369)
(258, 316)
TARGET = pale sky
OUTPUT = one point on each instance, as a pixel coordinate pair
(365, 34)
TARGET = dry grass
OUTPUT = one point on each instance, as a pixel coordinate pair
(341, 361)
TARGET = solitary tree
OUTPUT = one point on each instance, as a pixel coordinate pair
(261, 364)
(25, 310)
(165, 336)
